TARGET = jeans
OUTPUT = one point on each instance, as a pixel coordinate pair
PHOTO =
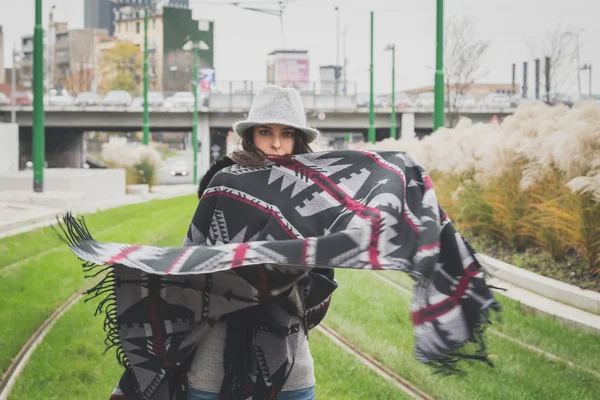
(302, 394)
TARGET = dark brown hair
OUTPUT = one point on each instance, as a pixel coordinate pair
(253, 156)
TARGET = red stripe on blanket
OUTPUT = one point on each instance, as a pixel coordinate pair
(239, 255)
(122, 255)
(174, 264)
(434, 311)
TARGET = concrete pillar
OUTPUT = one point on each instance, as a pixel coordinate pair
(9, 150)
(204, 138)
(408, 125)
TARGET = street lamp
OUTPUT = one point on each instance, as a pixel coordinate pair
(371, 132)
(438, 118)
(38, 101)
(392, 47)
(588, 67)
(146, 121)
(194, 45)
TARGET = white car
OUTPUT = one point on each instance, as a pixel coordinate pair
(465, 101)
(4, 101)
(87, 99)
(496, 100)
(179, 168)
(138, 102)
(425, 100)
(403, 101)
(53, 98)
(183, 99)
(117, 98)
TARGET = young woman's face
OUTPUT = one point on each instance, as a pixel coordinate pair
(274, 139)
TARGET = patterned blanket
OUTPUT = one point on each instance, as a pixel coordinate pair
(261, 231)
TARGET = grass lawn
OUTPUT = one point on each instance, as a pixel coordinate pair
(69, 362)
(375, 317)
(33, 289)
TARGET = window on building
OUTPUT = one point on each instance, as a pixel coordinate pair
(137, 27)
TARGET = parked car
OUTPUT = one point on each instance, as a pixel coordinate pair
(169, 103)
(561, 98)
(465, 101)
(183, 99)
(4, 101)
(403, 101)
(155, 99)
(56, 98)
(23, 98)
(496, 100)
(425, 100)
(179, 168)
(117, 98)
(87, 99)
(138, 102)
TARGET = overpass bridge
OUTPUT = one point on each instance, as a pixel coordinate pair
(65, 126)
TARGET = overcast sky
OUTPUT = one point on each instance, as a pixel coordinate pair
(243, 38)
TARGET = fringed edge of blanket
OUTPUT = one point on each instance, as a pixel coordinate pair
(74, 232)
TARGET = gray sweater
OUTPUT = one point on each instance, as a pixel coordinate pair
(206, 372)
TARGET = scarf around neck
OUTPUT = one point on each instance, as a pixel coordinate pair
(258, 233)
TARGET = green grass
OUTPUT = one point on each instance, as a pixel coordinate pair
(544, 332)
(69, 362)
(33, 289)
(373, 316)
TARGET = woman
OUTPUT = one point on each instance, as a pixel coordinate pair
(229, 317)
(276, 127)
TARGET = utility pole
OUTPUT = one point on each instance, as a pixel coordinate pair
(537, 79)
(345, 64)
(337, 51)
(38, 101)
(146, 122)
(392, 47)
(371, 132)
(438, 119)
(588, 67)
(195, 126)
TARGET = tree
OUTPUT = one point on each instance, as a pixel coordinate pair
(121, 68)
(561, 45)
(463, 54)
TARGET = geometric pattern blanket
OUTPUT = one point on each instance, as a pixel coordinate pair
(259, 231)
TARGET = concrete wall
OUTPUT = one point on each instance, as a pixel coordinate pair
(9, 150)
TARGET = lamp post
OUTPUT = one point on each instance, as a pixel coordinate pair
(392, 47)
(38, 100)
(588, 67)
(438, 119)
(371, 132)
(193, 46)
(146, 121)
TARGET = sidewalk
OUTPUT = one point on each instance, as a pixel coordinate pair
(17, 214)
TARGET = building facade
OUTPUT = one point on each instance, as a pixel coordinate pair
(102, 14)
(26, 75)
(169, 29)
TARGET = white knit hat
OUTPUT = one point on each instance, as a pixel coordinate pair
(277, 105)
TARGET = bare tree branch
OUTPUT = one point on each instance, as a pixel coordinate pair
(464, 52)
(560, 44)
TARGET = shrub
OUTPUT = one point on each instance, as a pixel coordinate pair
(533, 180)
